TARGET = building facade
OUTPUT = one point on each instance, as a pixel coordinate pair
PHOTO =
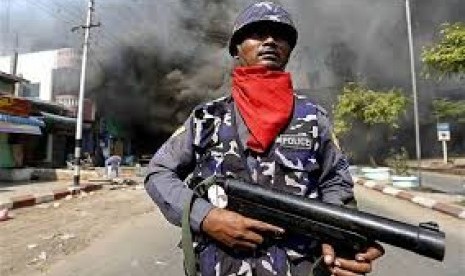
(20, 131)
(42, 69)
(53, 77)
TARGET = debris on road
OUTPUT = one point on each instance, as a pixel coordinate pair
(60, 232)
(43, 256)
(43, 206)
(56, 205)
(68, 197)
(31, 246)
(67, 236)
(160, 263)
(124, 181)
(49, 237)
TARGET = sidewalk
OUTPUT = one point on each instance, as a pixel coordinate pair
(12, 189)
(456, 165)
(22, 194)
(17, 194)
(440, 202)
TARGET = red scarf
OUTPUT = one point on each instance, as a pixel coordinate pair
(265, 100)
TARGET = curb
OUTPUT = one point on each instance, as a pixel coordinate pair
(449, 209)
(450, 171)
(28, 200)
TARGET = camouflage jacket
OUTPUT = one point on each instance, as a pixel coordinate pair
(304, 160)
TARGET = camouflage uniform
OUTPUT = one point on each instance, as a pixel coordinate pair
(303, 161)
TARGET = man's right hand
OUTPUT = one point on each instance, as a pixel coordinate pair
(235, 230)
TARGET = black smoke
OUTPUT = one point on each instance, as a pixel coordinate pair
(152, 61)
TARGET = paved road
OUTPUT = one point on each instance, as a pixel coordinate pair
(451, 184)
(400, 262)
(146, 245)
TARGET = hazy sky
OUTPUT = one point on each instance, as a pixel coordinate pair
(373, 31)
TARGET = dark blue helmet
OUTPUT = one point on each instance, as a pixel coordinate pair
(262, 12)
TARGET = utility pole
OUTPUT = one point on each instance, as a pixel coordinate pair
(414, 87)
(78, 142)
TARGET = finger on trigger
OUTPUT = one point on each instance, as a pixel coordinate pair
(328, 253)
(265, 227)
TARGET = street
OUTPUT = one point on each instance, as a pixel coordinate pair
(400, 262)
(146, 245)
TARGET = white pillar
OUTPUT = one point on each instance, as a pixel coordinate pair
(444, 151)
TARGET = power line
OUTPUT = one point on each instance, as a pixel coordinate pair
(60, 9)
(49, 12)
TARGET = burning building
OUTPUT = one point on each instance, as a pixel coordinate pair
(152, 61)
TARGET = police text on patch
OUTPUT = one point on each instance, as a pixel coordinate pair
(295, 141)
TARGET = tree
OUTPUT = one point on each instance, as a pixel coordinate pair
(360, 104)
(447, 56)
(444, 109)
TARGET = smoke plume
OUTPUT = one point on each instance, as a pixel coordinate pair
(152, 61)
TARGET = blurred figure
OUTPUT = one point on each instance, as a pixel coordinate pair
(112, 166)
(87, 160)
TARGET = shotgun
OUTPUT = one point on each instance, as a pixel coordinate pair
(347, 229)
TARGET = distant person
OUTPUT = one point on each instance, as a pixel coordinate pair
(112, 165)
(87, 160)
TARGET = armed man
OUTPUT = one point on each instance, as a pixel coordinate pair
(265, 134)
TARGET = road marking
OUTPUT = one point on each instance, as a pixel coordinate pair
(427, 202)
(462, 215)
(44, 198)
(6, 204)
(74, 190)
(391, 191)
(369, 184)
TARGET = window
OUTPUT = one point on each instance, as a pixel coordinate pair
(30, 90)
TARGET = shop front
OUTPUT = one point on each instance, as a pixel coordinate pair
(19, 132)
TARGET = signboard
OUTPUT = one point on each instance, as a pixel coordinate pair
(71, 102)
(443, 131)
(14, 106)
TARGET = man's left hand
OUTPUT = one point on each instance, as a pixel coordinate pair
(344, 267)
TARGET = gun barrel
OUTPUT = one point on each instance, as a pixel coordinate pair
(425, 239)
